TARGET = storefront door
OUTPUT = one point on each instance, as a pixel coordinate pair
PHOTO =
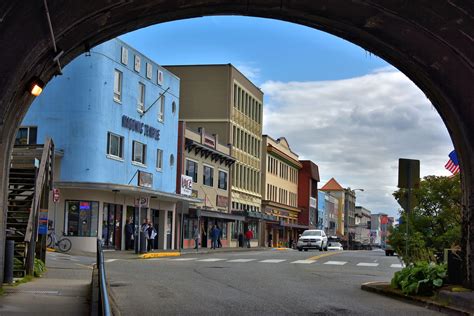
(112, 226)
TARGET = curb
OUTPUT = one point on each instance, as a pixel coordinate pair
(159, 255)
(383, 288)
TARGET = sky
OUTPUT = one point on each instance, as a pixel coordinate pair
(338, 105)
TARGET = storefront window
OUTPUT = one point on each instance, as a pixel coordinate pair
(81, 218)
(189, 224)
(253, 226)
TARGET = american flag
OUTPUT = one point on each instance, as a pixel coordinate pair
(453, 164)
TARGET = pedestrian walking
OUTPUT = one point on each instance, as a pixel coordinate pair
(214, 235)
(196, 237)
(151, 234)
(129, 235)
(248, 237)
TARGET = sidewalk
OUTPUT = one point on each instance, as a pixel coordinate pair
(63, 290)
(125, 255)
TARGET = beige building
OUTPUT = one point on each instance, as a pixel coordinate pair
(205, 165)
(280, 167)
(334, 189)
(224, 102)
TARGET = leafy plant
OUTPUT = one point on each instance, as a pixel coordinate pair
(39, 267)
(421, 278)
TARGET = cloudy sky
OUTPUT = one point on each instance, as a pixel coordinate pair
(338, 105)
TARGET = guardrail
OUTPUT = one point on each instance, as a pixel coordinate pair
(104, 304)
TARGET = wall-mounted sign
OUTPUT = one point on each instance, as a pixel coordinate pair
(56, 195)
(209, 141)
(145, 179)
(186, 185)
(140, 127)
(312, 202)
(142, 202)
(222, 201)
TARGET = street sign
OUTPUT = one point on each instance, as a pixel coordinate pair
(408, 173)
(404, 198)
(56, 195)
(142, 202)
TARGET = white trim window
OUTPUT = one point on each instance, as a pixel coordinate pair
(141, 98)
(159, 77)
(137, 64)
(149, 70)
(26, 135)
(222, 181)
(159, 159)
(161, 109)
(114, 145)
(118, 78)
(138, 152)
(124, 55)
(208, 176)
(192, 169)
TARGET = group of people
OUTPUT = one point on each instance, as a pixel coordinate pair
(148, 230)
(215, 234)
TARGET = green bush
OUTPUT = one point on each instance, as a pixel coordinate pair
(39, 267)
(421, 278)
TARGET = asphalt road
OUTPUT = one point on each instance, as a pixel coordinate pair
(257, 282)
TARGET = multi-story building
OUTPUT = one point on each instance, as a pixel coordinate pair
(379, 229)
(308, 178)
(280, 167)
(322, 214)
(362, 225)
(349, 215)
(113, 115)
(333, 188)
(224, 102)
(332, 211)
(204, 168)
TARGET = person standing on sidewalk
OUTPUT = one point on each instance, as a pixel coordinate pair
(248, 237)
(196, 237)
(151, 234)
(129, 230)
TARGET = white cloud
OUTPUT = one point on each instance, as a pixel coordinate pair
(249, 70)
(356, 129)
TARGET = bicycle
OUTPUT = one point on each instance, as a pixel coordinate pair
(63, 244)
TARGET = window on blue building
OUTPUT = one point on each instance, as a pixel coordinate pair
(115, 145)
(192, 169)
(159, 159)
(208, 176)
(117, 86)
(161, 109)
(141, 98)
(139, 152)
(26, 136)
(82, 218)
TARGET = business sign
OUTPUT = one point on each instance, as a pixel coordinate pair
(145, 179)
(209, 141)
(56, 195)
(312, 202)
(222, 201)
(43, 222)
(186, 185)
(142, 202)
(140, 127)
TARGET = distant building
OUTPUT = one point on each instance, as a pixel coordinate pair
(380, 229)
(334, 189)
(308, 179)
(349, 215)
(332, 212)
(322, 216)
(362, 225)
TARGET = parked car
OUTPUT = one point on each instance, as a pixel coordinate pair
(312, 239)
(334, 246)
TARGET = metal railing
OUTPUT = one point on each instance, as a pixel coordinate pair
(104, 304)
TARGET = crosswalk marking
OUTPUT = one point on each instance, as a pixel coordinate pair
(367, 264)
(396, 265)
(273, 261)
(241, 260)
(336, 263)
(304, 261)
(212, 260)
(184, 259)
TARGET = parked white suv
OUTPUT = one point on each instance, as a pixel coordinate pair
(312, 239)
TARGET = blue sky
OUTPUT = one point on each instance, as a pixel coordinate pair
(338, 105)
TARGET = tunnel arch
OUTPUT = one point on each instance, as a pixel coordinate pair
(430, 42)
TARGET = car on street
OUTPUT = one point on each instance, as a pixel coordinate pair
(335, 246)
(312, 239)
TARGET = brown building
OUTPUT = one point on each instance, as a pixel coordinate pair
(224, 102)
(308, 179)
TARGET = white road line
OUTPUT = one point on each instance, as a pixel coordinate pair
(367, 264)
(241, 260)
(110, 260)
(211, 260)
(183, 259)
(336, 263)
(397, 265)
(304, 261)
(273, 260)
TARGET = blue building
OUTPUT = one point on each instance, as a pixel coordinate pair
(113, 116)
(322, 218)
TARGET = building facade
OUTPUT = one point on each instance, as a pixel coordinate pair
(333, 188)
(322, 214)
(308, 178)
(113, 115)
(280, 168)
(332, 212)
(224, 102)
(349, 216)
(362, 225)
(204, 169)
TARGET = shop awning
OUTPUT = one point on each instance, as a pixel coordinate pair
(221, 215)
(127, 190)
(291, 225)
